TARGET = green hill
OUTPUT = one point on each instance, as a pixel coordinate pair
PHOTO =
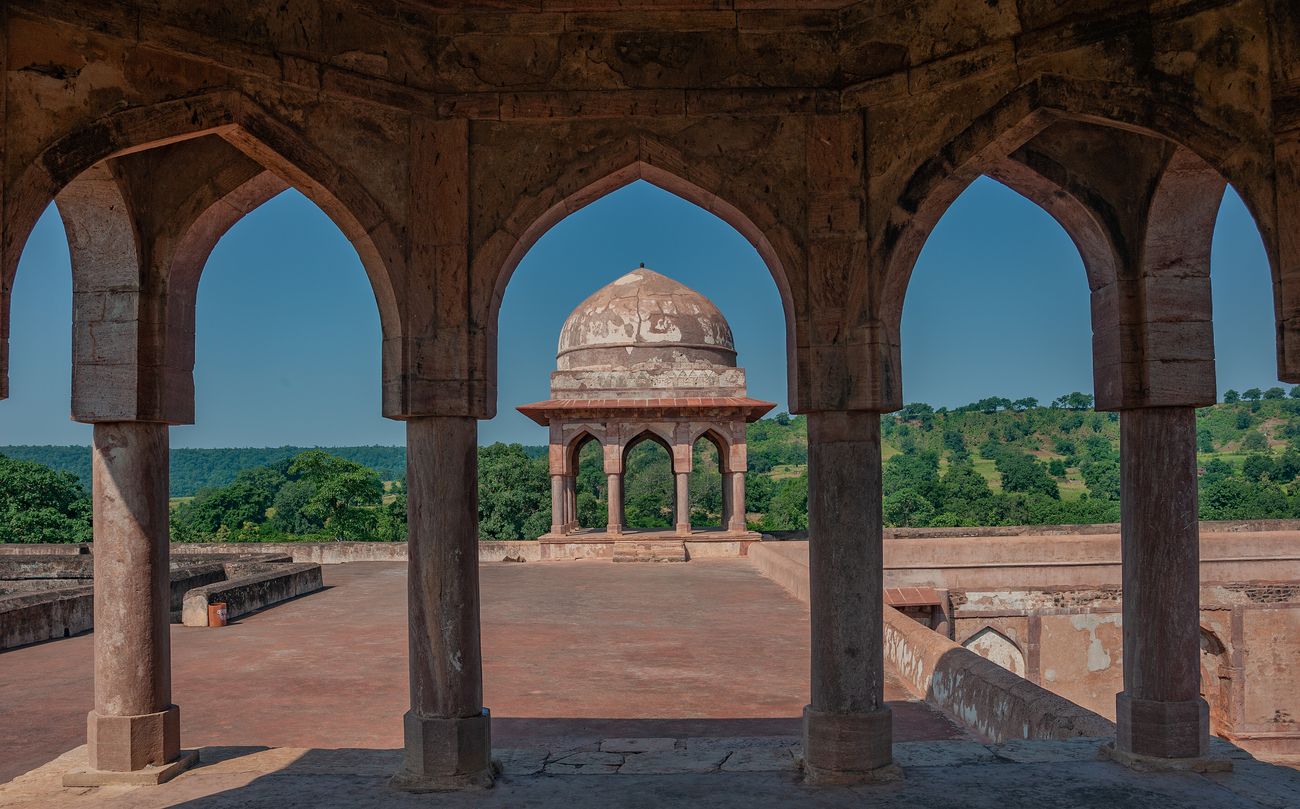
(993, 462)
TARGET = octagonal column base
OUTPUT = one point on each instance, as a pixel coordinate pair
(852, 748)
(129, 743)
(1157, 729)
(445, 754)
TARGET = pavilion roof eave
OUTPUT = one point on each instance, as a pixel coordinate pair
(673, 407)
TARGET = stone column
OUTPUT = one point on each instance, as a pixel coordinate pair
(133, 726)
(847, 726)
(614, 497)
(447, 730)
(1160, 712)
(682, 502)
(735, 483)
(558, 504)
(571, 497)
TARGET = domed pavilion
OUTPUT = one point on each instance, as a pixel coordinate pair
(646, 358)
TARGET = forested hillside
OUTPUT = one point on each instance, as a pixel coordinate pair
(993, 462)
(193, 470)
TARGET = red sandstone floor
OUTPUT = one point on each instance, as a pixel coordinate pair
(708, 648)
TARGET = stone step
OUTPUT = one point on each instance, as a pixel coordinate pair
(650, 551)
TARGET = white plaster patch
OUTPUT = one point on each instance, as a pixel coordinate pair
(1098, 657)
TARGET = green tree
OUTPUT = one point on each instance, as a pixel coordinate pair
(1022, 473)
(1252, 394)
(1204, 440)
(1073, 401)
(1217, 469)
(1258, 466)
(39, 505)
(1102, 478)
(789, 508)
(1254, 441)
(345, 494)
(514, 493)
(1274, 393)
(907, 507)
(1230, 396)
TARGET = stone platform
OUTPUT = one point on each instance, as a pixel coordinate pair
(647, 544)
(722, 773)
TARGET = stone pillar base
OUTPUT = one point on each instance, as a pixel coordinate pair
(446, 754)
(848, 748)
(129, 743)
(147, 776)
(1141, 763)
(1165, 730)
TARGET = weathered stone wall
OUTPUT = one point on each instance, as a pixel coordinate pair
(977, 693)
(1068, 638)
(1072, 643)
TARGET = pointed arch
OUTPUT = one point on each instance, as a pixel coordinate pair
(997, 647)
(643, 434)
(720, 442)
(984, 145)
(576, 444)
(235, 118)
(607, 169)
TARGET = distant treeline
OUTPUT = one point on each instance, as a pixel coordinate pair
(193, 470)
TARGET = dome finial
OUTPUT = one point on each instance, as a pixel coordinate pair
(643, 265)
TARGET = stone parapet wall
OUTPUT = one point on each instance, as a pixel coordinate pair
(55, 611)
(977, 693)
(47, 549)
(254, 590)
(1075, 529)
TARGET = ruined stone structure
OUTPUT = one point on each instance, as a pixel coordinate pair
(444, 139)
(646, 359)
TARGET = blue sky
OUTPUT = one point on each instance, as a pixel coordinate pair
(288, 333)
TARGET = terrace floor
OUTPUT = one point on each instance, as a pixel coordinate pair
(704, 664)
(570, 649)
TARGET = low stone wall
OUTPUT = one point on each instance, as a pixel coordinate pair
(47, 549)
(188, 575)
(254, 590)
(46, 566)
(981, 695)
(322, 553)
(785, 563)
(1077, 529)
(49, 595)
(56, 611)
(977, 693)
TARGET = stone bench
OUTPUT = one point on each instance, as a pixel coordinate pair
(253, 590)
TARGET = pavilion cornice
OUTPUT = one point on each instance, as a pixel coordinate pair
(733, 407)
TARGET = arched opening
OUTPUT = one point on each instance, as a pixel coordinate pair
(274, 347)
(649, 498)
(587, 458)
(710, 501)
(40, 371)
(992, 645)
(1216, 682)
(981, 441)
